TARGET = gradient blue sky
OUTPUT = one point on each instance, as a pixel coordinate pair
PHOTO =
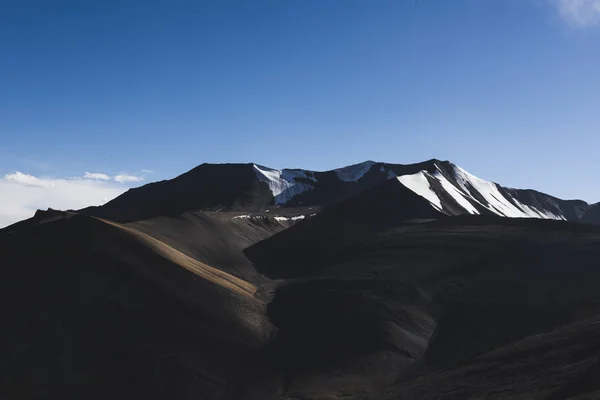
(507, 89)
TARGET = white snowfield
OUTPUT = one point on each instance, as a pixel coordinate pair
(497, 203)
(465, 194)
(457, 195)
(283, 184)
(419, 184)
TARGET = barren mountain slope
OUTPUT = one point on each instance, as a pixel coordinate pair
(379, 296)
(97, 310)
(403, 302)
(215, 238)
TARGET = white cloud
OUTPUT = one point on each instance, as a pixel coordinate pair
(96, 175)
(22, 194)
(27, 180)
(128, 178)
(579, 13)
(147, 171)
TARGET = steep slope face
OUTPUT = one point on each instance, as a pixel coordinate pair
(593, 215)
(432, 296)
(337, 227)
(443, 190)
(206, 187)
(285, 184)
(571, 210)
(252, 188)
(215, 238)
(520, 370)
(99, 310)
(472, 195)
(337, 185)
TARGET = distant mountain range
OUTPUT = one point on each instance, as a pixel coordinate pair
(251, 188)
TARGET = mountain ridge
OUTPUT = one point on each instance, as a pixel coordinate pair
(250, 187)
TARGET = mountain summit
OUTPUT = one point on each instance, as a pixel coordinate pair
(449, 189)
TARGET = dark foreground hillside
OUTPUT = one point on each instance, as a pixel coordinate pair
(345, 305)
(95, 310)
(424, 302)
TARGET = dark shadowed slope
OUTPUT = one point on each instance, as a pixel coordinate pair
(561, 364)
(206, 187)
(40, 217)
(593, 215)
(403, 302)
(387, 294)
(333, 186)
(217, 239)
(96, 310)
(314, 243)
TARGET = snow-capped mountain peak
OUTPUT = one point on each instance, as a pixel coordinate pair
(448, 188)
(420, 184)
(464, 193)
(285, 184)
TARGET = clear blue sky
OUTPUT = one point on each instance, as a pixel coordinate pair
(507, 89)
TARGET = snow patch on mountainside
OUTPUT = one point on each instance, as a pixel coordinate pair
(470, 192)
(284, 184)
(535, 213)
(296, 218)
(456, 194)
(474, 195)
(352, 173)
(419, 184)
(263, 217)
(489, 191)
(497, 203)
